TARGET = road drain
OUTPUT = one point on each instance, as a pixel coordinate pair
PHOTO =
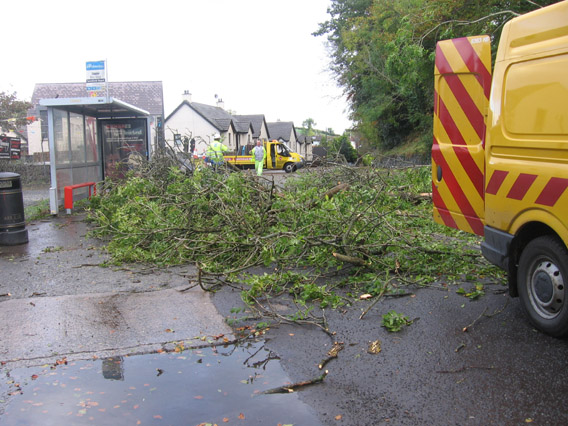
(220, 385)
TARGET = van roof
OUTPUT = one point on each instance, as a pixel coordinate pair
(542, 30)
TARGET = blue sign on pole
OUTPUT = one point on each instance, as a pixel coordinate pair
(96, 79)
(95, 65)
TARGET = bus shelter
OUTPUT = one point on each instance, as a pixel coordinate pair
(92, 139)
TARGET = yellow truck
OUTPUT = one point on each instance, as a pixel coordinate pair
(278, 157)
(500, 155)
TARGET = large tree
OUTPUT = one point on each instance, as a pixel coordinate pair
(13, 112)
(382, 55)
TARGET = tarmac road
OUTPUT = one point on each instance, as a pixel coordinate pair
(500, 372)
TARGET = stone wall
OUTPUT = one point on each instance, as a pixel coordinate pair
(30, 174)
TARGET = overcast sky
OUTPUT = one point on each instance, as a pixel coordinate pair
(257, 55)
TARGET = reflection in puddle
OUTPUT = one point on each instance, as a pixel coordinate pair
(211, 385)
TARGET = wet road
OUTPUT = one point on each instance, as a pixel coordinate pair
(499, 372)
(56, 301)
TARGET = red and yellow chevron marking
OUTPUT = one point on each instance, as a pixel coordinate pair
(522, 188)
(462, 86)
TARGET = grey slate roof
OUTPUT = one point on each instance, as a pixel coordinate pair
(147, 95)
(256, 121)
(215, 115)
(281, 130)
(242, 126)
(222, 121)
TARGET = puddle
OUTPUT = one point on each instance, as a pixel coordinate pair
(217, 386)
(48, 234)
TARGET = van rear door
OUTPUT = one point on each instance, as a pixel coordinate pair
(461, 98)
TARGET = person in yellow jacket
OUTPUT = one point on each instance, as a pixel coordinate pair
(216, 150)
(259, 154)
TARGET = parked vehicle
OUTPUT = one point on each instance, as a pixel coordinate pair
(278, 157)
(500, 155)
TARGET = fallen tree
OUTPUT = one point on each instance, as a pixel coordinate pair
(374, 224)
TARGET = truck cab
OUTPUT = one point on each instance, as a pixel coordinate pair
(281, 157)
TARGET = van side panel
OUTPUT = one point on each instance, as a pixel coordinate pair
(527, 141)
(462, 87)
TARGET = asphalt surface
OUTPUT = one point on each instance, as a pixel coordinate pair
(499, 372)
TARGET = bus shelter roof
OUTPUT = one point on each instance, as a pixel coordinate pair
(99, 107)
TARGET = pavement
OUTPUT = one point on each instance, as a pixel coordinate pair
(58, 297)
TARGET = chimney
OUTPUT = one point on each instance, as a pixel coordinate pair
(220, 103)
(186, 96)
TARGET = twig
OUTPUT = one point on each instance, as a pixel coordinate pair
(350, 259)
(181, 290)
(497, 311)
(474, 321)
(464, 368)
(252, 356)
(294, 386)
(331, 354)
(265, 312)
(87, 264)
(376, 300)
(458, 22)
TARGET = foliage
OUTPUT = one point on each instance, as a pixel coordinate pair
(309, 124)
(382, 55)
(37, 211)
(394, 321)
(226, 223)
(302, 288)
(340, 146)
(13, 112)
(474, 293)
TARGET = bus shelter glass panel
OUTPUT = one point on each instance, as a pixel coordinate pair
(77, 152)
(77, 139)
(91, 140)
(61, 134)
(124, 144)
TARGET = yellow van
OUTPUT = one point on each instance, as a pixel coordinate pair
(500, 155)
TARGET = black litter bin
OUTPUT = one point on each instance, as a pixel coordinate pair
(12, 223)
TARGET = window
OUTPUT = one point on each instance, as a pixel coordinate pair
(536, 97)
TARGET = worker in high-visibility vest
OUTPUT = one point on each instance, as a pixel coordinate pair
(259, 154)
(216, 150)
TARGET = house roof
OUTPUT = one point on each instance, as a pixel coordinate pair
(217, 116)
(256, 120)
(222, 121)
(281, 130)
(243, 126)
(146, 95)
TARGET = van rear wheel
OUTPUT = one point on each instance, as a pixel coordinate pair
(542, 279)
